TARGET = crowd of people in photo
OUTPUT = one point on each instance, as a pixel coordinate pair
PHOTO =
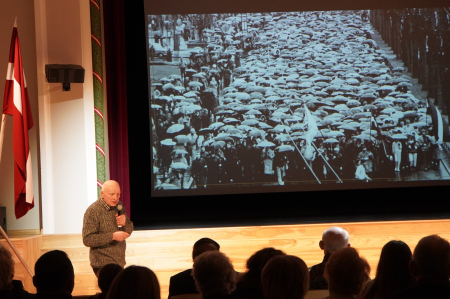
(270, 274)
(236, 112)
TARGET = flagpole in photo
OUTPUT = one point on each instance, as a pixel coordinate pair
(17, 104)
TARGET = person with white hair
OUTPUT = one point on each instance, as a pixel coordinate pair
(106, 227)
(333, 239)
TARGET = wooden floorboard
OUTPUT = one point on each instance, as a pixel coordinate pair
(168, 252)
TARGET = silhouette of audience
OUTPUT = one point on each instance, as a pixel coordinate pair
(392, 272)
(183, 282)
(214, 275)
(346, 273)
(54, 276)
(249, 284)
(10, 288)
(106, 276)
(135, 282)
(285, 277)
(430, 267)
(333, 238)
(271, 274)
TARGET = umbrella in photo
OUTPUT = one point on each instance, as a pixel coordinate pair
(253, 112)
(195, 84)
(168, 142)
(179, 152)
(410, 114)
(347, 128)
(283, 137)
(284, 148)
(223, 137)
(282, 128)
(264, 126)
(182, 139)
(374, 133)
(179, 166)
(205, 131)
(265, 143)
(156, 107)
(168, 86)
(175, 128)
(217, 144)
(250, 122)
(255, 133)
(399, 137)
(366, 137)
(224, 112)
(244, 127)
(333, 134)
(231, 120)
(331, 140)
(217, 125)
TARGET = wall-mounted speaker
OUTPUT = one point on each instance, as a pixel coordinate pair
(64, 73)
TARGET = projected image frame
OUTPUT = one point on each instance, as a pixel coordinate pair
(298, 79)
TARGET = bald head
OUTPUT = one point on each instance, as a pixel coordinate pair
(334, 239)
(110, 192)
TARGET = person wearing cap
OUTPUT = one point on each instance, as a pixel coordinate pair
(366, 157)
(183, 282)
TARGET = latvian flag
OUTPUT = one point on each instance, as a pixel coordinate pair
(16, 104)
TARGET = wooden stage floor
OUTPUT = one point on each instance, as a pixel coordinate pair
(168, 252)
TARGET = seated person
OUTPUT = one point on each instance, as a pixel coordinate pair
(285, 277)
(430, 267)
(346, 273)
(54, 276)
(334, 238)
(392, 271)
(183, 282)
(214, 275)
(249, 284)
(106, 275)
(10, 288)
(135, 282)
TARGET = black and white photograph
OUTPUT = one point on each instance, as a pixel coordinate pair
(295, 98)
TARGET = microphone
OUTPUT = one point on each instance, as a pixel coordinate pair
(119, 212)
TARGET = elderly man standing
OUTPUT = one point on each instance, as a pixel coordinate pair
(333, 239)
(105, 228)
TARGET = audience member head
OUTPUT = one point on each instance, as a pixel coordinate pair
(203, 245)
(260, 258)
(53, 273)
(333, 239)
(285, 277)
(251, 280)
(135, 282)
(346, 272)
(214, 274)
(392, 271)
(6, 269)
(431, 258)
(106, 276)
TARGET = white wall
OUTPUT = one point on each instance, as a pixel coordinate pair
(67, 132)
(24, 11)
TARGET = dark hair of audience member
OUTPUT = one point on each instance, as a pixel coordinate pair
(249, 284)
(432, 258)
(346, 272)
(203, 245)
(393, 270)
(54, 273)
(135, 282)
(214, 274)
(6, 269)
(285, 277)
(106, 276)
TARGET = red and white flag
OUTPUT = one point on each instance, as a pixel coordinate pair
(17, 104)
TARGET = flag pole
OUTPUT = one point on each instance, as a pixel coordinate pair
(19, 256)
(2, 134)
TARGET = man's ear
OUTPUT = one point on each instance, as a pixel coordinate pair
(349, 245)
(321, 245)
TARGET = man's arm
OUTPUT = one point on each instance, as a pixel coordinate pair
(128, 227)
(91, 235)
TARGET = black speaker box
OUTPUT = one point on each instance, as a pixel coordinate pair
(64, 73)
